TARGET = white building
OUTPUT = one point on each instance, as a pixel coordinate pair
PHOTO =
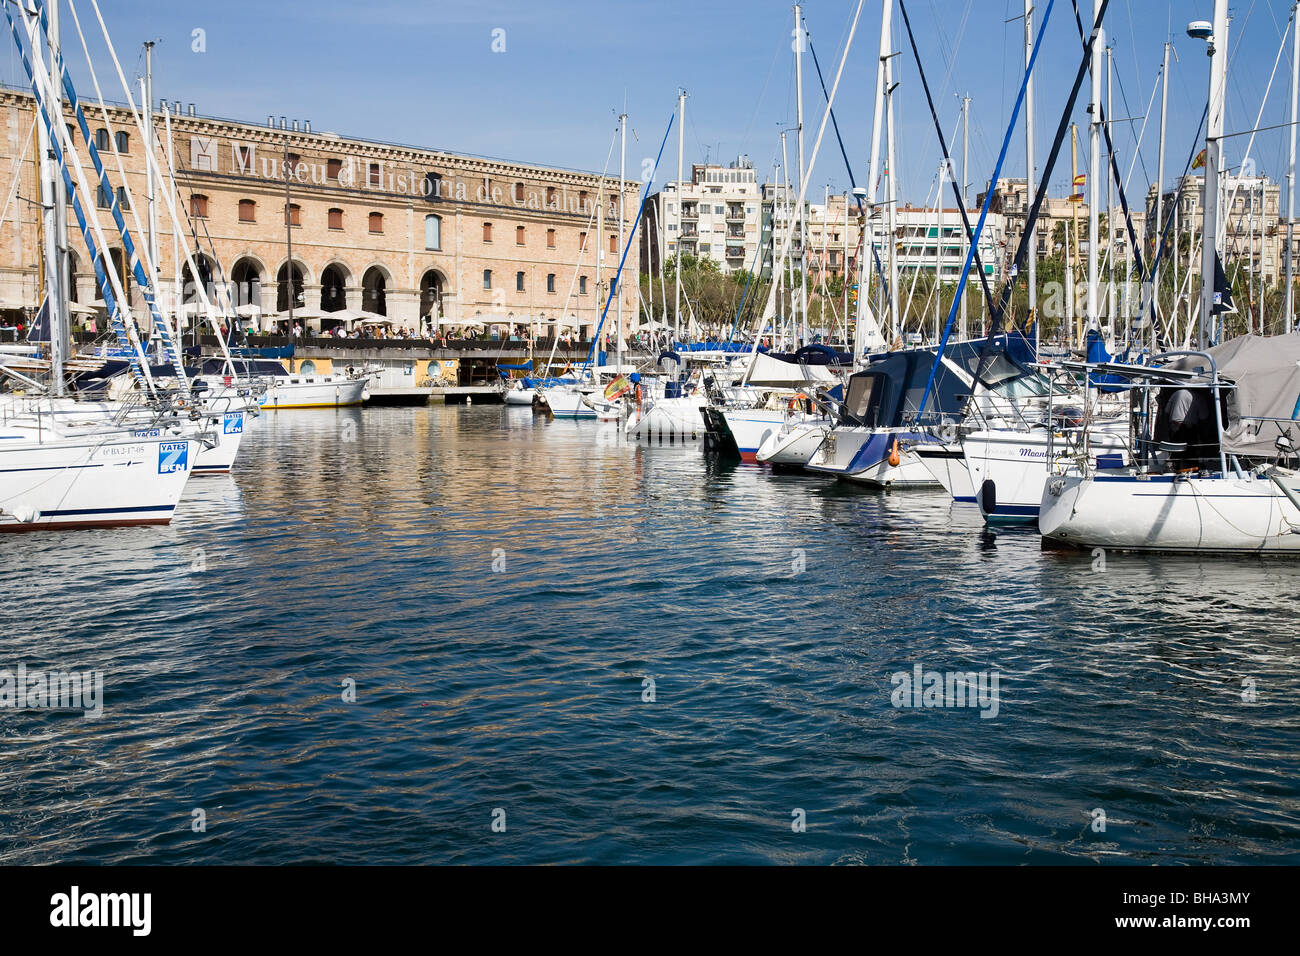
(720, 217)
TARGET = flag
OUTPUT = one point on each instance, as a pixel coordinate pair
(1222, 290)
(616, 388)
(1080, 181)
(1199, 161)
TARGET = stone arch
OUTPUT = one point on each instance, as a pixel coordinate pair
(335, 280)
(433, 286)
(300, 277)
(246, 278)
(376, 281)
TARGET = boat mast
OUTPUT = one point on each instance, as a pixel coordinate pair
(1031, 191)
(1160, 196)
(1094, 178)
(965, 185)
(891, 199)
(150, 138)
(1110, 193)
(681, 198)
(1207, 332)
(1076, 323)
(803, 223)
(938, 252)
(1290, 174)
(55, 202)
(873, 167)
(622, 216)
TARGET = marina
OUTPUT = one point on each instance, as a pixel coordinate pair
(920, 487)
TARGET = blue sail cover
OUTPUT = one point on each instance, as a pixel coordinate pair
(1096, 351)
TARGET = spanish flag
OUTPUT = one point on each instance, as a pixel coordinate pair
(616, 388)
(1080, 181)
(1199, 161)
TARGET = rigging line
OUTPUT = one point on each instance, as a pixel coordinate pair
(947, 158)
(1123, 95)
(613, 285)
(988, 197)
(835, 125)
(1041, 194)
(1114, 169)
(1251, 142)
(1164, 231)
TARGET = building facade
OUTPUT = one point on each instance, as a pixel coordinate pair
(720, 217)
(421, 236)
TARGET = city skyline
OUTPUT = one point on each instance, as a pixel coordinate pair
(740, 91)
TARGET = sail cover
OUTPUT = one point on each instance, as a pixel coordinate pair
(1266, 372)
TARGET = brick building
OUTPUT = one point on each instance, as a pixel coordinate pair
(417, 235)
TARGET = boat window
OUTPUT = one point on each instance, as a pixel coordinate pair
(861, 390)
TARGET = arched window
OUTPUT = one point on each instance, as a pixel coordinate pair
(487, 232)
(519, 235)
(247, 210)
(550, 197)
(550, 238)
(550, 282)
(333, 169)
(582, 285)
(336, 219)
(519, 192)
(295, 214)
(433, 232)
(122, 201)
(101, 139)
(519, 282)
(432, 186)
(487, 278)
(376, 222)
(123, 141)
(199, 206)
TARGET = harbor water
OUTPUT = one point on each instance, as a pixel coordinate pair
(469, 635)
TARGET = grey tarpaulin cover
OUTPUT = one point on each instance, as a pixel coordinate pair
(1266, 371)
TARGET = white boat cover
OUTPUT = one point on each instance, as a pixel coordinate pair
(1266, 371)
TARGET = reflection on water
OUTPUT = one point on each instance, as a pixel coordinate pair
(769, 610)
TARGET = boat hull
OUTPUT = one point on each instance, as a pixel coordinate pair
(92, 482)
(1007, 469)
(947, 465)
(285, 394)
(1170, 513)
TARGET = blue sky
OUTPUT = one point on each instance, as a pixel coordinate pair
(425, 73)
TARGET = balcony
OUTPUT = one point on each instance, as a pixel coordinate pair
(690, 211)
(735, 252)
(735, 213)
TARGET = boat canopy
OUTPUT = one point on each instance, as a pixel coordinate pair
(1265, 401)
(243, 366)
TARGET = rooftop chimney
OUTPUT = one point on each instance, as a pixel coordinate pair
(295, 126)
(191, 109)
(306, 125)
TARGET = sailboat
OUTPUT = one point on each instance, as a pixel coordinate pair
(56, 472)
